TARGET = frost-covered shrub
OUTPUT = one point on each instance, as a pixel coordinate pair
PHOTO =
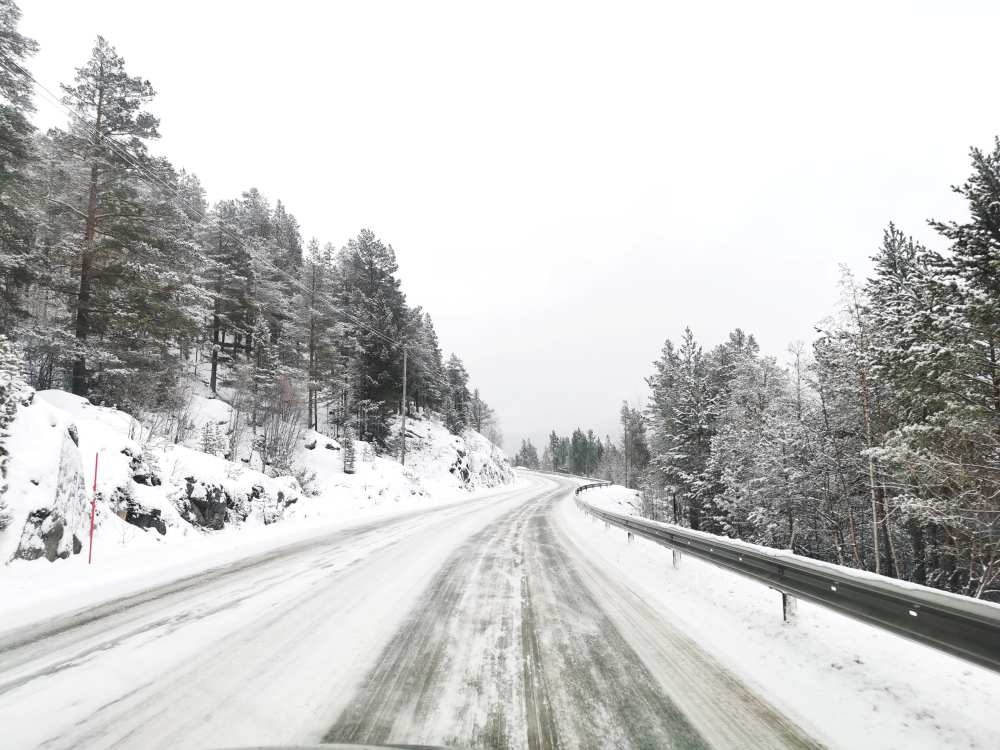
(13, 392)
(347, 443)
(213, 440)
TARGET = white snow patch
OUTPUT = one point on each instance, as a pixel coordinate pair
(848, 684)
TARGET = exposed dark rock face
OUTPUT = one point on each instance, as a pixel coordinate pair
(142, 471)
(461, 466)
(211, 506)
(41, 537)
(208, 509)
(144, 518)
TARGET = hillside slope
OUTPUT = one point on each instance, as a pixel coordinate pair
(152, 495)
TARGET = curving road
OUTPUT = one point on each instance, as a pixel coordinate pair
(482, 624)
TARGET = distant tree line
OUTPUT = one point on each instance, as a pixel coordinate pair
(583, 453)
(118, 281)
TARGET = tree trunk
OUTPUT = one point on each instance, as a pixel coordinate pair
(216, 322)
(866, 409)
(82, 325)
(916, 532)
(89, 233)
(855, 545)
(313, 417)
(892, 560)
(217, 344)
(882, 551)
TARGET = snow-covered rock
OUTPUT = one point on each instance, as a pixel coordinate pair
(45, 494)
(149, 493)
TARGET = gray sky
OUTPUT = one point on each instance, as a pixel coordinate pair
(567, 185)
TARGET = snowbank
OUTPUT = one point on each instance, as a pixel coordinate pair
(157, 498)
(847, 683)
(166, 511)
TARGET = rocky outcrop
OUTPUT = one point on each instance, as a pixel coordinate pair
(54, 529)
(45, 535)
(143, 468)
(144, 518)
(212, 506)
(479, 464)
(461, 466)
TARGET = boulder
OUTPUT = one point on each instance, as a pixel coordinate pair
(144, 518)
(143, 472)
(42, 536)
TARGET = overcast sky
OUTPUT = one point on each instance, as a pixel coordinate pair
(568, 185)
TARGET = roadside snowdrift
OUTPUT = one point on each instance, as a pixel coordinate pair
(151, 495)
(905, 694)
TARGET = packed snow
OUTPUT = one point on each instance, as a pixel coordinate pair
(843, 681)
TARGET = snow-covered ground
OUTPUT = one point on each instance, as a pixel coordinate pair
(167, 510)
(262, 651)
(848, 684)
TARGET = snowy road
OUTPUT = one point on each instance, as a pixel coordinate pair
(476, 625)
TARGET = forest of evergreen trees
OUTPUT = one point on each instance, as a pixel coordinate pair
(585, 454)
(118, 280)
(878, 448)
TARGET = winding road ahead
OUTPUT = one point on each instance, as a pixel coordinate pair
(481, 624)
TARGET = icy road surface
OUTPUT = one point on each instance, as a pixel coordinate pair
(476, 625)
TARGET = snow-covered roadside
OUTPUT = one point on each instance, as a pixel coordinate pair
(34, 591)
(848, 684)
(166, 511)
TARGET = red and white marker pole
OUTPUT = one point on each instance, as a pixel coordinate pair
(93, 510)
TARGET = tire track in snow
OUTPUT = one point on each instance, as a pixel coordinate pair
(728, 713)
(541, 727)
(507, 649)
(448, 675)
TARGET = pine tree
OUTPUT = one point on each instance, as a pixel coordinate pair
(213, 441)
(18, 263)
(427, 382)
(974, 267)
(376, 316)
(265, 372)
(13, 392)
(527, 456)
(681, 416)
(481, 416)
(106, 141)
(456, 416)
(226, 264)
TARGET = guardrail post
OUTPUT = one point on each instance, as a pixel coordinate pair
(676, 559)
(789, 607)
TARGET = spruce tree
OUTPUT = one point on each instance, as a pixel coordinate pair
(457, 409)
(107, 141)
(375, 317)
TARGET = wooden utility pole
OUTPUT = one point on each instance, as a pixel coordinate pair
(625, 450)
(402, 450)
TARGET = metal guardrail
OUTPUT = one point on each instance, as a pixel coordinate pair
(961, 626)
